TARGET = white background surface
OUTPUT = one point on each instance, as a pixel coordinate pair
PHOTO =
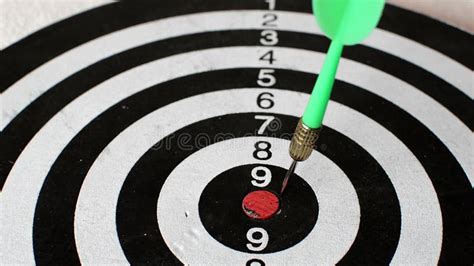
(19, 18)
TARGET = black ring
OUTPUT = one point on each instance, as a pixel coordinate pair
(221, 213)
(379, 228)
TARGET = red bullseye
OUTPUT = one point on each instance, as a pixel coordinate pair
(260, 204)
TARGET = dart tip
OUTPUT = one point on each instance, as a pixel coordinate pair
(289, 173)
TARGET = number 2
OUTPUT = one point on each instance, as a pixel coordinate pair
(268, 22)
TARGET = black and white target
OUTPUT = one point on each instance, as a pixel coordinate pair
(132, 132)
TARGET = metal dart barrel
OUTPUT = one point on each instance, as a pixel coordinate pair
(303, 141)
(301, 145)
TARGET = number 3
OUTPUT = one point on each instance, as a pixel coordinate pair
(269, 37)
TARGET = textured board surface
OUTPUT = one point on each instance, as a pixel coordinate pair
(130, 134)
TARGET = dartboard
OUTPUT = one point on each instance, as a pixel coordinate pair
(132, 132)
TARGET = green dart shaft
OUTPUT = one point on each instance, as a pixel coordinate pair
(314, 113)
(345, 22)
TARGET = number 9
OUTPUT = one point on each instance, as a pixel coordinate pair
(257, 244)
(264, 179)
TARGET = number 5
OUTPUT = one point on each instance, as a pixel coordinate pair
(265, 78)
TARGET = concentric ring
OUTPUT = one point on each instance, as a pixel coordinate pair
(332, 236)
(430, 142)
(122, 165)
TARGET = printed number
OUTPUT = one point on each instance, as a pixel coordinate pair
(265, 78)
(257, 243)
(265, 103)
(255, 262)
(262, 150)
(261, 180)
(267, 119)
(268, 19)
(271, 4)
(269, 37)
(268, 56)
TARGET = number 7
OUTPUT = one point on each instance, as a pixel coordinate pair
(267, 120)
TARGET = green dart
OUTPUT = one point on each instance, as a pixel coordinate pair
(345, 22)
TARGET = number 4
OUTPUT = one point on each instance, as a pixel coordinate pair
(268, 56)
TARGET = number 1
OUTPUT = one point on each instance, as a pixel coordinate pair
(271, 4)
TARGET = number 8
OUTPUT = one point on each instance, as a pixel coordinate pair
(262, 150)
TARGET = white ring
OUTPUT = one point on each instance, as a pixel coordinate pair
(330, 239)
(96, 209)
(30, 87)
